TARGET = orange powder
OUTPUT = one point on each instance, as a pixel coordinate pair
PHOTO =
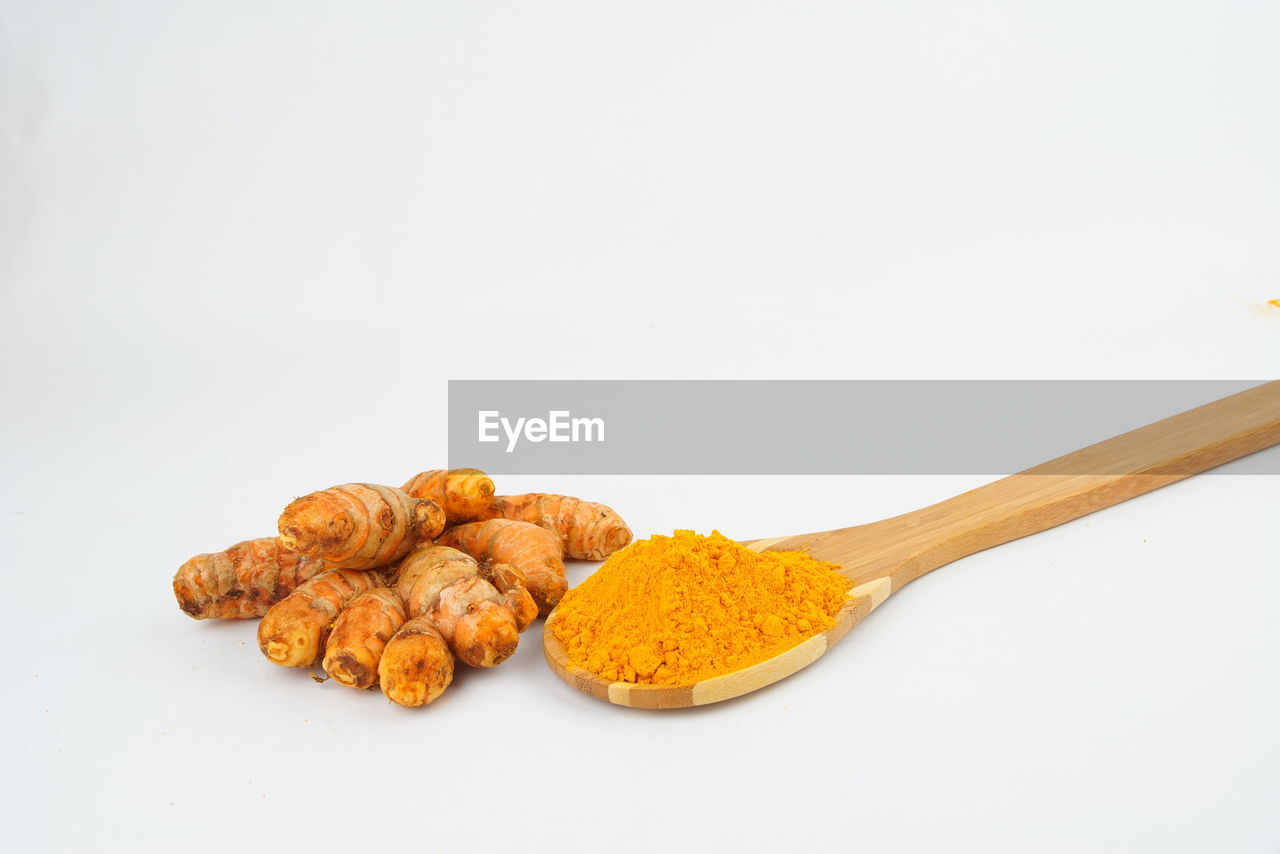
(679, 609)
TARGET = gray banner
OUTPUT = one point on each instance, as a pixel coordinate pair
(714, 427)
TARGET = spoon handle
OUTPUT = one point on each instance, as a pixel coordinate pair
(881, 557)
(905, 547)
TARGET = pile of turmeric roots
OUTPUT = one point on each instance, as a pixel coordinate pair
(391, 586)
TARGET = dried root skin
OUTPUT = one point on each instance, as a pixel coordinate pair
(360, 634)
(293, 632)
(449, 586)
(511, 584)
(486, 635)
(463, 493)
(241, 582)
(531, 549)
(588, 530)
(359, 525)
(427, 571)
(416, 665)
(474, 617)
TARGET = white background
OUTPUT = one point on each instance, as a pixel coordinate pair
(243, 246)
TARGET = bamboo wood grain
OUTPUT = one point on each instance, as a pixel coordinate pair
(882, 557)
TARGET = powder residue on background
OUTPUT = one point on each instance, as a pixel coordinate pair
(679, 609)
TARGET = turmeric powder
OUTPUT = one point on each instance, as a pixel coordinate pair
(676, 610)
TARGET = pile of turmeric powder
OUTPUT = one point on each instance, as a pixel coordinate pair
(676, 610)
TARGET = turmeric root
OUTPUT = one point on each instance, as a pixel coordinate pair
(511, 584)
(470, 613)
(416, 665)
(427, 571)
(358, 525)
(480, 626)
(243, 581)
(463, 493)
(532, 550)
(360, 634)
(587, 530)
(293, 632)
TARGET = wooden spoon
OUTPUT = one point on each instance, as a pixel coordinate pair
(882, 557)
